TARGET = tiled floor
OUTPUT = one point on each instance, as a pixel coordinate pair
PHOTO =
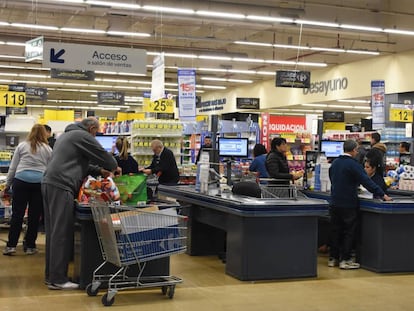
(206, 287)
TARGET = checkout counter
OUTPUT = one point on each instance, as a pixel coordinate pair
(387, 232)
(270, 238)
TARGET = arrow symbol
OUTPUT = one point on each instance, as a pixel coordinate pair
(55, 57)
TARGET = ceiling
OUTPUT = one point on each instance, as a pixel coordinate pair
(237, 42)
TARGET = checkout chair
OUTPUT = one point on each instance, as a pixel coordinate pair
(247, 188)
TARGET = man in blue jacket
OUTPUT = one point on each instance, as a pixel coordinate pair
(346, 174)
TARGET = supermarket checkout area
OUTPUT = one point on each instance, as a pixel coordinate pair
(387, 231)
(270, 238)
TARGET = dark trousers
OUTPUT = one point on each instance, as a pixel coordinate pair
(344, 224)
(59, 229)
(25, 195)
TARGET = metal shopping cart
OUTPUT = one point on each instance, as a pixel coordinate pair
(130, 236)
(270, 191)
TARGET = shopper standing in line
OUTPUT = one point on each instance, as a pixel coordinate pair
(163, 164)
(125, 161)
(259, 162)
(277, 164)
(50, 138)
(76, 155)
(362, 151)
(346, 174)
(24, 178)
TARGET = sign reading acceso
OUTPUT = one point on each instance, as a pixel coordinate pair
(293, 78)
(92, 57)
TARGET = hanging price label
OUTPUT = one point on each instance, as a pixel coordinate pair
(160, 106)
(12, 99)
(401, 115)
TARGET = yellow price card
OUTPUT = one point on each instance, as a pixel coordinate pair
(161, 106)
(12, 99)
(401, 115)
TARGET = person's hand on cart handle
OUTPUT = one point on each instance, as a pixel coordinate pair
(386, 198)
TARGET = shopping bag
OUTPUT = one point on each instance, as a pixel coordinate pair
(132, 188)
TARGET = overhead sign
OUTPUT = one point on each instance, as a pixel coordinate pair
(286, 124)
(36, 93)
(333, 116)
(163, 105)
(19, 111)
(293, 78)
(158, 78)
(247, 103)
(72, 74)
(93, 57)
(327, 86)
(187, 93)
(12, 99)
(34, 49)
(401, 115)
(378, 104)
(111, 98)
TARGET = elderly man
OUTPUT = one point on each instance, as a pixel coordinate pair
(76, 155)
(163, 164)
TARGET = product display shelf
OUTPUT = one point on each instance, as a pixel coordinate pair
(144, 131)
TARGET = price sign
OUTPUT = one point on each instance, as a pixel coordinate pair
(401, 115)
(12, 99)
(160, 106)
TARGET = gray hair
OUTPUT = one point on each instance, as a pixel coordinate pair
(350, 145)
(90, 121)
(157, 143)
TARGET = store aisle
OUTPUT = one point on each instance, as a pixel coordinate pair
(207, 288)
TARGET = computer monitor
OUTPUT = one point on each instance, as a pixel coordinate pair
(233, 147)
(107, 141)
(332, 149)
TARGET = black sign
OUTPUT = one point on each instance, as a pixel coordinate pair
(247, 103)
(72, 74)
(17, 87)
(333, 116)
(36, 93)
(165, 116)
(293, 78)
(111, 98)
(20, 110)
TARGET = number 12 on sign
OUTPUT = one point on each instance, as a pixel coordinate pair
(401, 115)
(12, 99)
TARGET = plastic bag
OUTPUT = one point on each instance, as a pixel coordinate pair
(132, 188)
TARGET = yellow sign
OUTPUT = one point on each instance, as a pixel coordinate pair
(12, 99)
(401, 115)
(4, 87)
(161, 106)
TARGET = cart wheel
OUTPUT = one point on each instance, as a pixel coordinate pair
(90, 291)
(105, 301)
(164, 290)
(171, 291)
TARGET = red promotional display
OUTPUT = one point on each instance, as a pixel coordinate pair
(286, 124)
(265, 129)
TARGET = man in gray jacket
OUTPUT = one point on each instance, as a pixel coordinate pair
(76, 155)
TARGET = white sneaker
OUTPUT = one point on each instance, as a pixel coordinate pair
(332, 262)
(31, 251)
(64, 286)
(9, 251)
(348, 265)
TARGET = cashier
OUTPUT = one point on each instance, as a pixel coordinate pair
(373, 168)
(277, 164)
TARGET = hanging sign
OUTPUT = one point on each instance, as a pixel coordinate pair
(12, 99)
(401, 115)
(187, 93)
(34, 49)
(378, 104)
(293, 78)
(158, 78)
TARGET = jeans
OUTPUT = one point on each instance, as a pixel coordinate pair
(25, 195)
(344, 224)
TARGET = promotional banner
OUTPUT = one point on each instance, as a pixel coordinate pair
(287, 124)
(187, 93)
(264, 137)
(378, 104)
(158, 78)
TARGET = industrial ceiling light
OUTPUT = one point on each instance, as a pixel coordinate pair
(118, 5)
(220, 14)
(253, 43)
(357, 101)
(83, 30)
(399, 32)
(127, 34)
(33, 26)
(167, 9)
(316, 23)
(258, 18)
(362, 28)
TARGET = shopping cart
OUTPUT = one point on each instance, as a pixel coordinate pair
(130, 236)
(271, 191)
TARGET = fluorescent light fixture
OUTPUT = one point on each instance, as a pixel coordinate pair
(316, 23)
(212, 87)
(362, 107)
(115, 80)
(212, 69)
(286, 46)
(269, 19)
(315, 105)
(239, 81)
(181, 55)
(83, 30)
(399, 32)
(126, 33)
(72, 1)
(338, 106)
(15, 43)
(106, 72)
(241, 71)
(214, 57)
(266, 73)
(4, 24)
(363, 52)
(327, 50)
(362, 28)
(32, 76)
(171, 84)
(253, 43)
(220, 14)
(248, 60)
(114, 4)
(213, 79)
(34, 26)
(356, 112)
(356, 101)
(167, 9)
(11, 56)
(312, 64)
